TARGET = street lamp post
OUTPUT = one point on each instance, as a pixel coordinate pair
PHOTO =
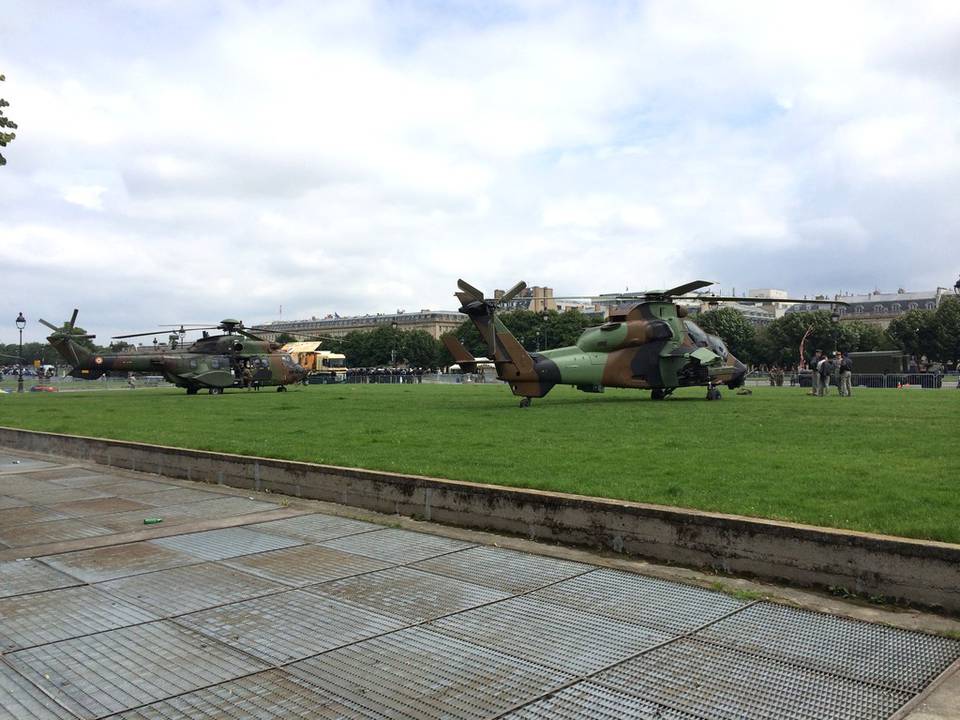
(21, 324)
(545, 316)
(393, 340)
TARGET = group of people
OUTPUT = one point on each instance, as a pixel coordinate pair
(385, 375)
(823, 367)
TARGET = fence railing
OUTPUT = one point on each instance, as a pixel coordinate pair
(870, 380)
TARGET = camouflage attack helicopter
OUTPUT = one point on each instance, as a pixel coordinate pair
(213, 362)
(647, 343)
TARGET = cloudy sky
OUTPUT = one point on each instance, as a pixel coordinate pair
(189, 161)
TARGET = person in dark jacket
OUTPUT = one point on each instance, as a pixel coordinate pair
(846, 373)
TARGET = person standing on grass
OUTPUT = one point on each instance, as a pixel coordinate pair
(814, 366)
(846, 373)
(823, 372)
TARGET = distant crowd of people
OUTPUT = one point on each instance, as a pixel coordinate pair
(385, 375)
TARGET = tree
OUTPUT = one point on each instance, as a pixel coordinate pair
(419, 349)
(284, 338)
(5, 123)
(915, 331)
(373, 348)
(779, 342)
(947, 322)
(735, 330)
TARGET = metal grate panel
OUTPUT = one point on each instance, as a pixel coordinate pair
(187, 589)
(718, 683)
(410, 594)
(270, 695)
(19, 463)
(668, 606)
(289, 626)
(225, 543)
(226, 506)
(397, 546)
(51, 531)
(18, 577)
(61, 473)
(317, 528)
(97, 506)
(19, 700)
(49, 493)
(503, 569)
(25, 514)
(123, 669)
(306, 565)
(109, 563)
(133, 519)
(570, 640)
(129, 487)
(886, 656)
(587, 701)
(29, 620)
(420, 674)
(8, 501)
(79, 477)
(175, 495)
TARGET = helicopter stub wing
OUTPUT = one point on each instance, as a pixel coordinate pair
(706, 357)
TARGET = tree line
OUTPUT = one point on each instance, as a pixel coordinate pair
(934, 333)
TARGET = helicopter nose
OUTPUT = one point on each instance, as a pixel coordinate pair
(739, 375)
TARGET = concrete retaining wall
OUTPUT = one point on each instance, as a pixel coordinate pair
(918, 572)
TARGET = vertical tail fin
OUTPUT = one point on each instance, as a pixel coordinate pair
(513, 363)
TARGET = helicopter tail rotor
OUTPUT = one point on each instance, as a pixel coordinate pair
(64, 340)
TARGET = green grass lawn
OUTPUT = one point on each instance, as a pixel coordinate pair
(883, 461)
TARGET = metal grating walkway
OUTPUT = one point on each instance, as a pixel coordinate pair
(318, 616)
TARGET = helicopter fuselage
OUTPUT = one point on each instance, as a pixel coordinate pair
(647, 346)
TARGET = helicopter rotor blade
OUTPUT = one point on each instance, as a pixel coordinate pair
(734, 298)
(513, 292)
(470, 290)
(73, 319)
(686, 288)
(143, 334)
(49, 325)
(245, 332)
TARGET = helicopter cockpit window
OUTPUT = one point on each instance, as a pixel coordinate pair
(193, 363)
(698, 336)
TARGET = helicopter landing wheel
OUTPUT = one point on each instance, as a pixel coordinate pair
(525, 402)
(713, 393)
(216, 391)
(658, 394)
(281, 388)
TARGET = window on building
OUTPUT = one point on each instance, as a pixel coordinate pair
(913, 306)
(929, 306)
(896, 307)
(878, 308)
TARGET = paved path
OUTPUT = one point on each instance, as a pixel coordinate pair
(234, 607)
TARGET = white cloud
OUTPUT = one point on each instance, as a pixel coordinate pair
(358, 157)
(88, 196)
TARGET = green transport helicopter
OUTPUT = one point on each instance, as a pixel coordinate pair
(236, 358)
(647, 343)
